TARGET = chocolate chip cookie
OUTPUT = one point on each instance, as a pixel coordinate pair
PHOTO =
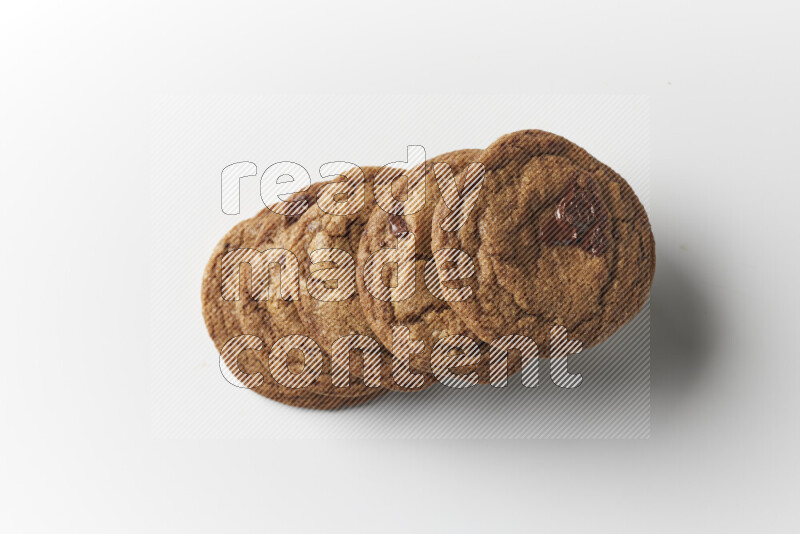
(227, 319)
(326, 245)
(428, 317)
(556, 238)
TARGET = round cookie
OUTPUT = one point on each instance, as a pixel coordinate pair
(224, 323)
(332, 318)
(276, 317)
(427, 317)
(556, 239)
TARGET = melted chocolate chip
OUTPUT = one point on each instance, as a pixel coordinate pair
(579, 219)
(398, 225)
(578, 210)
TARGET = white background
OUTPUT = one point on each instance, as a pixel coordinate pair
(78, 452)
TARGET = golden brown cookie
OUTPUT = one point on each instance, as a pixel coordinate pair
(331, 310)
(556, 238)
(427, 317)
(275, 317)
(224, 322)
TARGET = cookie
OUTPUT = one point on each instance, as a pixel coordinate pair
(332, 311)
(223, 320)
(427, 317)
(556, 238)
(277, 317)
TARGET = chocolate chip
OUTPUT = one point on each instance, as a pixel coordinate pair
(398, 225)
(579, 219)
(578, 210)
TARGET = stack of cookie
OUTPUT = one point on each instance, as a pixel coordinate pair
(550, 238)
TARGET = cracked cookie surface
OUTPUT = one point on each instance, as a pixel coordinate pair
(556, 238)
(340, 314)
(227, 319)
(428, 318)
